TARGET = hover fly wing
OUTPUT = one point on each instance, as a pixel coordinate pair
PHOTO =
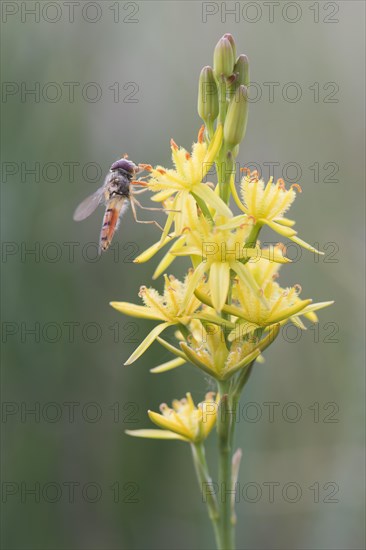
(88, 205)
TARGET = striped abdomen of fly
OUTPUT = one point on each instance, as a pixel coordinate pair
(117, 194)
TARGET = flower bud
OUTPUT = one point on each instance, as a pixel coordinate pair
(223, 58)
(232, 42)
(240, 75)
(236, 118)
(241, 69)
(208, 98)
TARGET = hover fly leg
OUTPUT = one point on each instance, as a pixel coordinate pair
(152, 208)
(133, 201)
(140, 191)
(158, 209)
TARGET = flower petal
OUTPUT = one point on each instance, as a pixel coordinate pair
(281, 229)
(247, 278)
(168, 258)
(192, 285)
(237, 221)
(219, 283)
(196, 360)
(315, 307)
(171, 348)
(169, 365)
(162, 195)
(205, 193)
(152, 250)
(134, 310)
(284, 221)
(288, 312)
(147, 342)
(212, 150)
(155, 434)
(305, 245)
(170, 424)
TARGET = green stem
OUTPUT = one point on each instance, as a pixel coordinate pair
(224, 169)
(206, 486)
(222, 99)
(225, 431)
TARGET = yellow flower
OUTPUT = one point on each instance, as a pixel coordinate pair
(166, 308)
(183, 184)
(267, 204)
(218, 250)
(282, 304)
(209, 350)
(183, 421)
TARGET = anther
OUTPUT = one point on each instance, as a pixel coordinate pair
(281, 184)
(146, 167)
(297, 187)
(201, 133)
(173, 144)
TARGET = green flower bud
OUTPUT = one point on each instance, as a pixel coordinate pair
(232, 42)
(241, 69)
(208, 97)
(240, 75)
(223, 58)
(236, 118)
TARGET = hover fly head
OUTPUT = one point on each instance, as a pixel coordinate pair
(125, 165)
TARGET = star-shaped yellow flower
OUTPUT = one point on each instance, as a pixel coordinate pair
(183, 421)
(282, 304)
(218, 251)
(166, 308)
(266, 205)
(182, 185)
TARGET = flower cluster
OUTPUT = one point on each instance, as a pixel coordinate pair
(229, 307)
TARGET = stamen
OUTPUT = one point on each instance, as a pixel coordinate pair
(146, 167)
(210, 396)
(281, 247)
(297, 187)
(173, 144)
(188, 156)
(298, 288)
(281, 184)
(201, 134)
(254, 176)
(245, 170)
(161, 171)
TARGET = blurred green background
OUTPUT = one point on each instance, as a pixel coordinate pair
(95, 488)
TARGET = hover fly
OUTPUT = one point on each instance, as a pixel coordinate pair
(116, 193)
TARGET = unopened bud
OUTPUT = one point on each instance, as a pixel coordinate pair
(236, 118)
(208, 98)
(223, 58)
(232, 42)
(241, 69)
(240, 75)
